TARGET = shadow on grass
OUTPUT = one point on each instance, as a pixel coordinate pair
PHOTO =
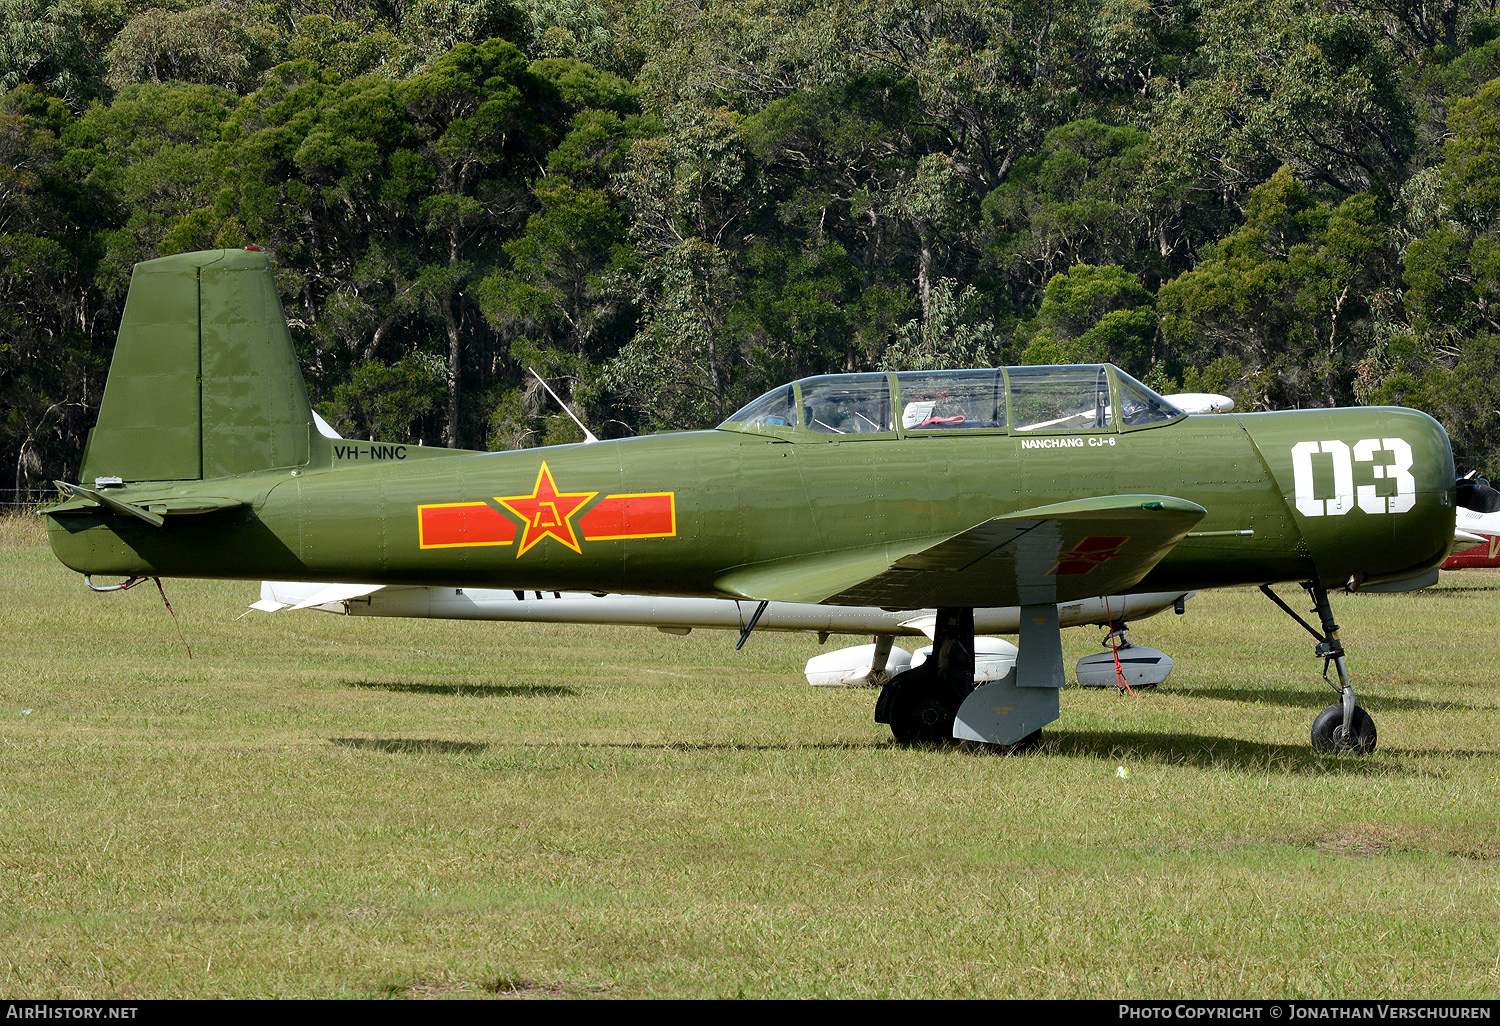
(407, 745)
(1432, 594)
(467, 690)
(1203, 751)
(1369, 697)
(1196, 750)
(1207, 752)
(721, 746)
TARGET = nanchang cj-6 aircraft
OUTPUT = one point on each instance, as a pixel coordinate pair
(956, 490)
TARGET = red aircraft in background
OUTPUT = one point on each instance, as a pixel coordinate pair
(1481, 524)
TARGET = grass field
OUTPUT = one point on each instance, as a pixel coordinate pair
(322, 806)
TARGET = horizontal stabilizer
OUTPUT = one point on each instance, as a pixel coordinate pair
(81, 498)
(152, 511)
(1057, 553)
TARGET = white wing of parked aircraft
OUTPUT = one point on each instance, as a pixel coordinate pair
(861, 664)
(1200, 402)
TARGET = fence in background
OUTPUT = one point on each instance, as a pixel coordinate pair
(23, 500)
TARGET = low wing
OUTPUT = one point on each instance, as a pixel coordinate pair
(1058, 553)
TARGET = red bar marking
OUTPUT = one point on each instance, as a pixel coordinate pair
(451, 524)
(643, 515)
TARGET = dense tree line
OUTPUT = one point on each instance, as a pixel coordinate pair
(666, 206)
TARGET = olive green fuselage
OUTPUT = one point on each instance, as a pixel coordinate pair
(1308, 495)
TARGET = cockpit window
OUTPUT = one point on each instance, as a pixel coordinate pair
(1060, 399)
(847, 404)
(945, 400)
(1087, 397)
(776, 409)
(1140, 405)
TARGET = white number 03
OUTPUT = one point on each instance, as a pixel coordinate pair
(1345, 495)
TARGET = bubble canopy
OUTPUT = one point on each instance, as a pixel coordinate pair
(1092, 398)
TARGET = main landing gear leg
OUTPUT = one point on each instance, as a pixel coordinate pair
(1343, 726)
(920, 704)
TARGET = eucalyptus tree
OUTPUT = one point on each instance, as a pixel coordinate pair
(834, 237)
(1299, 83)
(560, 302)
(154, 163)
(691, 192)
(51, 360)
(1441, 350)
(57, 46)
(1076, 200)
(387, 202)
(1092, 314)
(209, 44)
(1287, 294)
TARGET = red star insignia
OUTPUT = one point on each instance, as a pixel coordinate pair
(547, 512)
(1087, 554)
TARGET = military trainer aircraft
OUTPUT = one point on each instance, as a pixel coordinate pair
(1025, 486)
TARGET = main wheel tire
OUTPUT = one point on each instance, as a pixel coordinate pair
(1328, 733)
(920, 707)
(923, 718)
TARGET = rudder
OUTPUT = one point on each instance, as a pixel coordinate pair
(204, 381)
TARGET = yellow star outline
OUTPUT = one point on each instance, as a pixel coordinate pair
(546, 512)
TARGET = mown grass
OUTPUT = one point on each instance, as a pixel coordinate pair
(321, 806)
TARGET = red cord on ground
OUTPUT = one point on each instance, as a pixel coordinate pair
(174, 617)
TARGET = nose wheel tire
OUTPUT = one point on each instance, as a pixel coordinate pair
(1329, 735)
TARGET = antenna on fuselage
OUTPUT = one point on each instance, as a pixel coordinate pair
(588, 436)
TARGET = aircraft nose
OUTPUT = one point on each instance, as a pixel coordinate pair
(1371, 489)
(1403, 478)
(1422, 526)
(1432, 457)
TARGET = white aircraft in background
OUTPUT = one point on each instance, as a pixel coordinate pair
(1200, 402)
(1137, 665)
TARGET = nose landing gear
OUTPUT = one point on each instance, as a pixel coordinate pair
(1343, 726)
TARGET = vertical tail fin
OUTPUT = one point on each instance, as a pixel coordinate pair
(204, 381)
